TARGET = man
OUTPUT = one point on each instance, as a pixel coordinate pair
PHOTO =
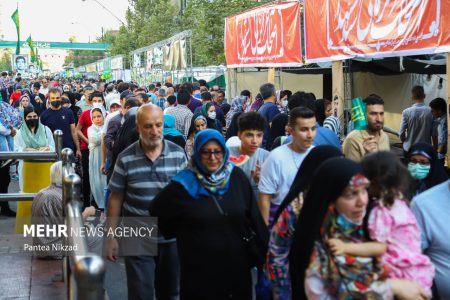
(142, 170)
(161, 98)
(417, 121)
(440, 133)
(58, 117)
(359, 143)
(269, 109)
(182, 113)
(152, 93)
(38, 99)
(251, 128)
(110, 95)
(16, 95)
(219, 97)
(170, 104)
(193, 103)
(4, 83)
(432, 209)
(279, 169)
(206, 97)
(84, 122)
(20, 64)
(44, 88)
(142, 98)
(85, 103)
(196, 93)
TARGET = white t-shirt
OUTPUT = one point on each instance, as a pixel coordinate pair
(278, 172)
(260, 156)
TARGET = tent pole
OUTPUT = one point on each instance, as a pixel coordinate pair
(338, 90)
(271, 75)
(448, 110)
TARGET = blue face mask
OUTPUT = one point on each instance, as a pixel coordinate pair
(345, 222)
(418, 171)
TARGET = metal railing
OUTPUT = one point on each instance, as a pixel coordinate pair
(34, 156)
(88, 269)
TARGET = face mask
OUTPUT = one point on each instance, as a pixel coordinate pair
(56, 104)
(97, 105)
(345, 222)
(284, 103)
(166, 104)
(32, 122)
(418, 171)
(212, 115)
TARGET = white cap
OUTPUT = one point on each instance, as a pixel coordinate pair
(115, 101)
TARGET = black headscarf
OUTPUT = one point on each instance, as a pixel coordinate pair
(437, 173)
(328, 183)
(302, 180)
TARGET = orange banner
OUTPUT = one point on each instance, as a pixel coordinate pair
(266, 36)
(336, 30)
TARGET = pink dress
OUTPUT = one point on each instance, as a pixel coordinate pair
(397, 227)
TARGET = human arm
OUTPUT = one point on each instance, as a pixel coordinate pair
(50, 140)
(80, 133)
(102, 154)
(113, 213)
(369, 249)
(403, 125)
(75, 139)
(351, 149)
(264, 206)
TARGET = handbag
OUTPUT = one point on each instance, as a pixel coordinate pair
(256, 253)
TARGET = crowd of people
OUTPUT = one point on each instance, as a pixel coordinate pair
(256, 196)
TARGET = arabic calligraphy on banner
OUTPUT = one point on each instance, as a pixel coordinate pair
(267, 36)
(376, 28)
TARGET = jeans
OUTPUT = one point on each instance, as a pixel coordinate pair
(6, 143)
(149, 274)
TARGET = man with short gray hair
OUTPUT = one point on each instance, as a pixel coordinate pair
(269, 109)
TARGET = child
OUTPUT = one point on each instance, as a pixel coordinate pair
(391, 224)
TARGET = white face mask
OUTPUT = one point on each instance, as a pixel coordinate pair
(97, 105)
(212, 115)
(284, 103)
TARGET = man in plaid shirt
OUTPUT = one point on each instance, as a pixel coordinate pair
(182, 113)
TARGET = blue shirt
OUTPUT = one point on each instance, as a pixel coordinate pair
(324, 136)
(432, 209)
(60, 119)
(268, 110)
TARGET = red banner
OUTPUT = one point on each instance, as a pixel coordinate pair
(336, 30)
(266, 36)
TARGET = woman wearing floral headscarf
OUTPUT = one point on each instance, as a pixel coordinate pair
(198, 124)
(32, 136)
(337, 212)
(210, 208)
(24, 102)
(97, 179)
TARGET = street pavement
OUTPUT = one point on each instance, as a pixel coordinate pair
(25, 277)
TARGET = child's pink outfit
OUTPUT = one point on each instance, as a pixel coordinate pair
(397, 228)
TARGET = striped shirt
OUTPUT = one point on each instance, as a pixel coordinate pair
(183, 116)
(139, 179)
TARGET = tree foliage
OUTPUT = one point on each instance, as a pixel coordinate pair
(150, 21)
(5, 60)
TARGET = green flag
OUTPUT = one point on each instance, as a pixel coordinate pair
(359, 114)
(32, 50)
(15, 18)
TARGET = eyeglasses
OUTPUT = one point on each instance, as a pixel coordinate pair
(208, 154)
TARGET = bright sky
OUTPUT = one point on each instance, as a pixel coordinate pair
(56, 20)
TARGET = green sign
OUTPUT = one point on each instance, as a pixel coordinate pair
(57, 45)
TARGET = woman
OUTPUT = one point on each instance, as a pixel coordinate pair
(97, 179)
(424, 167)
(237, 106)
(286, 219)
(24, 102)
(337, 212)
(323, 110)
(67, 103)
(210, 208)
(209, 112)
(32, 136)
(198, 124)
(170, 133)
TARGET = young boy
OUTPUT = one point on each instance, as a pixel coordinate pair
(439, 111)
(251, 128)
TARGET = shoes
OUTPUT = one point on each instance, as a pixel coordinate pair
(8, 212)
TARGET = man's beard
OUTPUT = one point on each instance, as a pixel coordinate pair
(152, 144)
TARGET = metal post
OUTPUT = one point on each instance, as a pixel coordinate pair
(89, 274)
(58, 137)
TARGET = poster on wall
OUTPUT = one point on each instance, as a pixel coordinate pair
(183, 54)
(158, 56)
(149, 63)
(117, 63)
(266, 36)
(20, 63)
(136, 60)
(336, 30)
(176, 55)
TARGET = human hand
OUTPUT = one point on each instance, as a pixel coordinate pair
(256, 172)
(370, 144)
(102, 168)
(297, 204)
(336, 246)
(89, 211)
(407, 290)
(78, 154)
(13, 131)
(112, 249)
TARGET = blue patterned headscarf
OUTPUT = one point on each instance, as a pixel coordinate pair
(196, 179)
